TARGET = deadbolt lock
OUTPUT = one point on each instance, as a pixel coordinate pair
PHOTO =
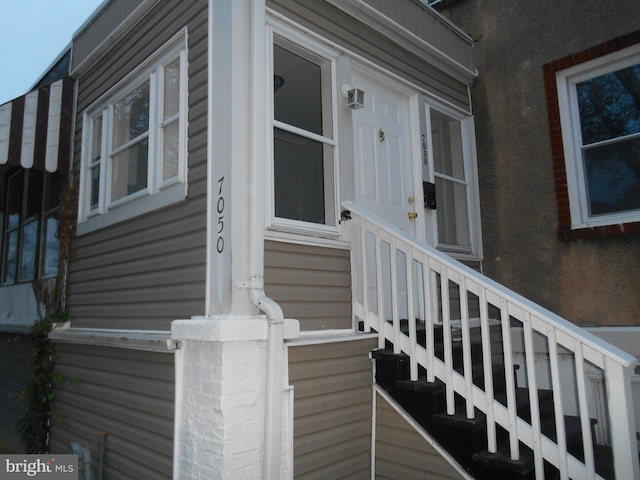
(412, 215)
(411, 200)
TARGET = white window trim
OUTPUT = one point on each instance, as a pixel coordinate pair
(158, 193)
(566, 81)
(285, 226)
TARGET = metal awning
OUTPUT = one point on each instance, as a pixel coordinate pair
(35, 129)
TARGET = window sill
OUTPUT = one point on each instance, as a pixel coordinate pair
(152, 341)
(569, 234)
(139, 206)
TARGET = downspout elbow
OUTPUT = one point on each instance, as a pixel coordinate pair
(267, 305)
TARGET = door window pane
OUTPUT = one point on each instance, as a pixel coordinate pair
(453, 215)
(452, 187)
(447, 145)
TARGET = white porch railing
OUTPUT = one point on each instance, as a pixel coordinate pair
(395, 278)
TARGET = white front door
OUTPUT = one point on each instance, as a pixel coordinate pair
(383, 156)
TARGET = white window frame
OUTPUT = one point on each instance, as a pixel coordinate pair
(566, 81)
(157, 193)
(467, 130)
(277, 225)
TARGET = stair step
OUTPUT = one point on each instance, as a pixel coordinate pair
(390, 367)
(500, 465)
(523, 404)
(425, 402)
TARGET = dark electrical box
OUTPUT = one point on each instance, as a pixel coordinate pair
(429, 192)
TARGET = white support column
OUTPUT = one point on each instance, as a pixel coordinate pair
(230, 362)
(220, 398)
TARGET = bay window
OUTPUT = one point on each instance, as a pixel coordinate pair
(134, 148)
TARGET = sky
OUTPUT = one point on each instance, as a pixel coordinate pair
(33, 34)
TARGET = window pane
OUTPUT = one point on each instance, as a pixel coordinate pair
(96, 140)
(10, 257)
(171, 143)
(29, 249)
(446, 134)
(50, 248)
(613, 177)
(299, 177)
(609, 106)
(14, 203)
(172, 89)
(129, 170)
(52, 192)
(453, 215)
(298, 91)
(131, 116)
(35, 180)
(94, 187)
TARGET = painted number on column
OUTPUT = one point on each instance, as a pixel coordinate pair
(220, 209)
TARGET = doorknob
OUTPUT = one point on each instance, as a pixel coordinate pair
(412, 215)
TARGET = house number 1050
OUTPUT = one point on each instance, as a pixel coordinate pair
(220, 209)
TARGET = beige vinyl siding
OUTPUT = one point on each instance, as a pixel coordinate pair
(332, 409)
(401, 452)
(430, 27)
(339, 27)
(311, 284)
(147, 271)
(15, 363)
(126, 393)
(99, 27)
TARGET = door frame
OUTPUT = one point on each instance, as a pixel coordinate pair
(412, 95)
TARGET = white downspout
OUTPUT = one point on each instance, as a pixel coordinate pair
(273, 312)
(273, 383)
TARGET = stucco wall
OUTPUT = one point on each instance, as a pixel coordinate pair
(590, 282)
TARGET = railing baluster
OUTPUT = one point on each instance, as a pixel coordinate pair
(372, 239)
(411, 316)
(487, 363)
(514, 447)
(620, 404)
(380, 285)
(446, 339)
(561, 436)
(585, 420)
(361, 260)
(534, 405)
(429, 284)
(393, 260)
(466, 347)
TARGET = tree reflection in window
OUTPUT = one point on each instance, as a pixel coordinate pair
(609, 108)
(30, 227)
